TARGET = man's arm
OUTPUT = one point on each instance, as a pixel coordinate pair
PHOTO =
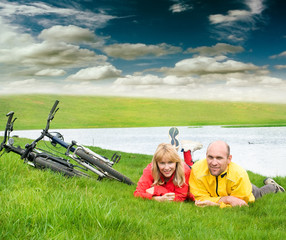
(205, 203)
(233, 201)
(240, 192)
(242, 188)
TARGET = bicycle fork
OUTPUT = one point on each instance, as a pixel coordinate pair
(85, 164)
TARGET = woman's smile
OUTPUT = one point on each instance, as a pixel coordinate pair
(167, 168)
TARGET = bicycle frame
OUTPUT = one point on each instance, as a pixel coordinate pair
(90, 160)
(74, 147)
(30, 155)
(8, 130)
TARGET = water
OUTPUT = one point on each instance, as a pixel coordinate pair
(261, 150)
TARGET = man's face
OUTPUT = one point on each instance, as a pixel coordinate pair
(217, 158)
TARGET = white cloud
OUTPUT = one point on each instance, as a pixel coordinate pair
(180, 6)
(218, 49)
(280, 66)
(204, 71)
(234, 38)
(283, 54)
(67, 15)
(11, 36)
(256, 6)
(267, 80)
(26, 83)
(236, 82)
(237, 24)
(68, 34)
(21, 53)
(207, 65)
(95, 73)
(129, 51)
(227, 79)
(174, 80)
(222, 87)
(252, 80)
(31, 86)
(233, 15)
(233, 91)
(59, 48)
(150, 79)
(50, 72)
(49, 54)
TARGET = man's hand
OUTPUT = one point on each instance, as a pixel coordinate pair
(233, 201)
(165, 197)
(205, 203)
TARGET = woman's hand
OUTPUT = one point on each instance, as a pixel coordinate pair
(165, 197)
(150, 190)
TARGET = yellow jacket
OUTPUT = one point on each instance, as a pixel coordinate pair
(233, 182)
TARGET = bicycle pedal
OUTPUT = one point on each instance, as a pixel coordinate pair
(115, 158)
(99, 178)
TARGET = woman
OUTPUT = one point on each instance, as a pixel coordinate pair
(166, 178)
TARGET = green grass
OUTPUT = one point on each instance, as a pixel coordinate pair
(43, 205)
(102, 112)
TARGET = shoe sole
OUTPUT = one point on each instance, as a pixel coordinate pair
(173, 133)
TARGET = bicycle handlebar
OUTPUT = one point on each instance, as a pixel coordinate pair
(8, 128)
(9, 125)
(53, 110)
(30, 147)
(10, 116)
(51, 115)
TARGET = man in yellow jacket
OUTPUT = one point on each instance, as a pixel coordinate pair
(218, 181)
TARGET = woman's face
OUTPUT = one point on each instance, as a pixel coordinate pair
(167, 167)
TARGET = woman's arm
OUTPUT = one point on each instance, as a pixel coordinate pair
(145, 182)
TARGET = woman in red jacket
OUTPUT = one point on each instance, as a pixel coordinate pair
(166, 178)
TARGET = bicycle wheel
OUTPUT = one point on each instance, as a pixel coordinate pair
(44, 163)
(110, 172)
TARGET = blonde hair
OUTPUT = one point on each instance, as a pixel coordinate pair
(167, 151)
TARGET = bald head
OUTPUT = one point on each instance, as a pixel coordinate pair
(220, 144)
(218, 157)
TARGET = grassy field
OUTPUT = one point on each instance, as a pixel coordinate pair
(44, 205)
(100, 112)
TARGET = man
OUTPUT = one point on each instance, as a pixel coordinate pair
(216, 181)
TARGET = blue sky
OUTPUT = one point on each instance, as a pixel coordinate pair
(190, 49)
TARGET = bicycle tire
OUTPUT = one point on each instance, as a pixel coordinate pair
(45, 163)
(101, 165)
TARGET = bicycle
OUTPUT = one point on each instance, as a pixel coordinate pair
(85, 157)
(34, 157)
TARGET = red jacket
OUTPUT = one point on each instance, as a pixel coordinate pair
(146, 181)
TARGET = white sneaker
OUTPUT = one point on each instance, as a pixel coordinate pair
(187, 145)
(268, 181)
